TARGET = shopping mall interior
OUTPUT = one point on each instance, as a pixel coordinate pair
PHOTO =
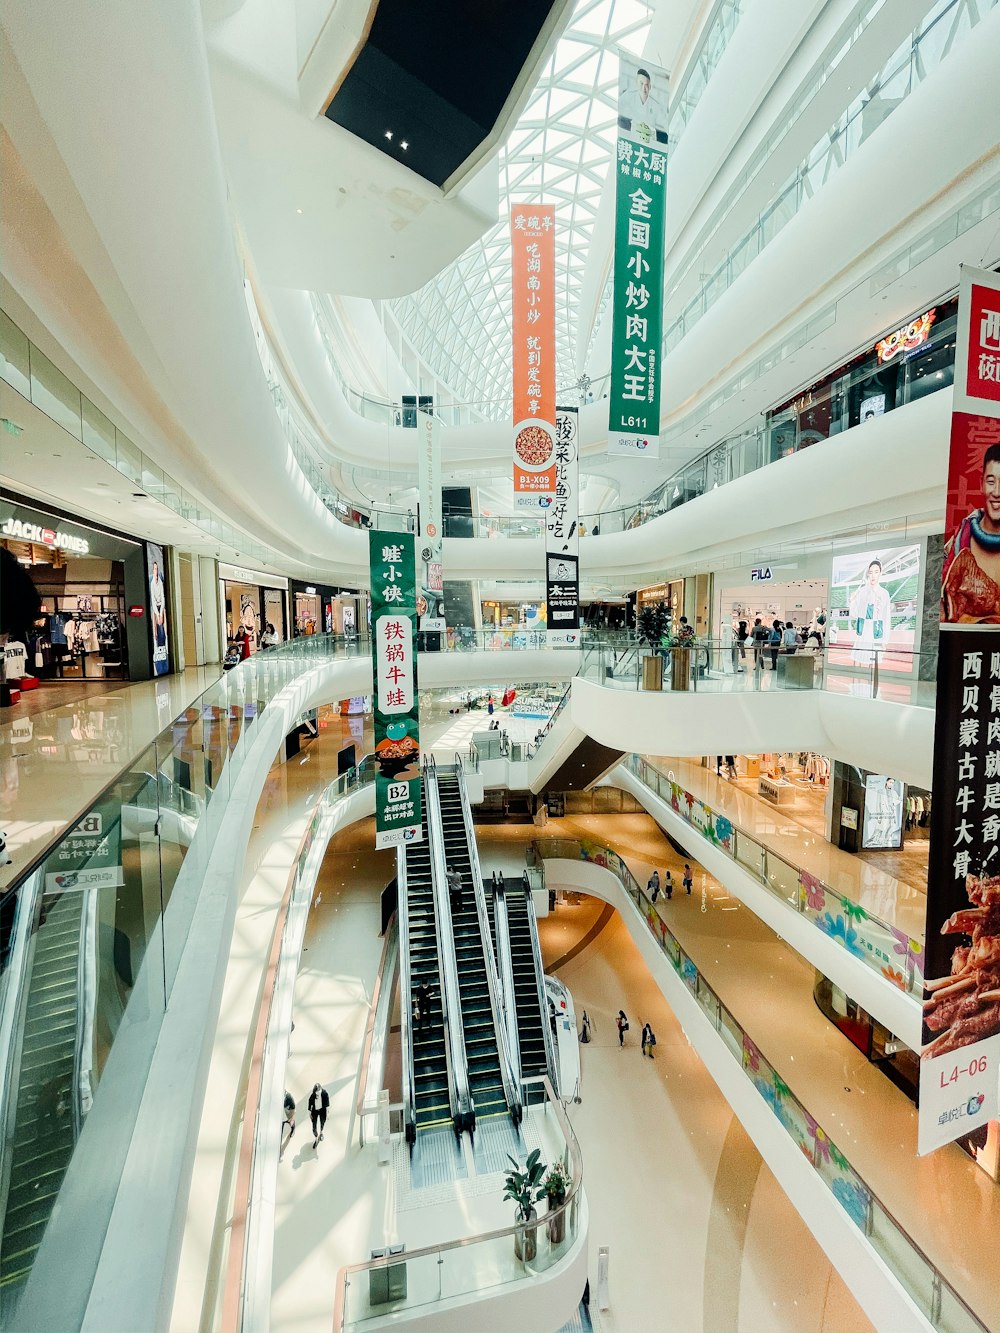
(499, 719)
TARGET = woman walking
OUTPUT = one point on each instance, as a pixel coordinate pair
(621, 1022)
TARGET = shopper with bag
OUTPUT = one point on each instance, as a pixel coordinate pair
(621, 1023)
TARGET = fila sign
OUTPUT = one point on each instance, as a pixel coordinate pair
(761, 574)
(33, 532)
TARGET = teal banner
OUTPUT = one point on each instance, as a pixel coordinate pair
(392, 566)
(637, 312)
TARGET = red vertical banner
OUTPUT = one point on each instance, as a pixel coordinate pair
(960, 1050)
(533, 275)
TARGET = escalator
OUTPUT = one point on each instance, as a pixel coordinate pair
(46, 1121)
(490, 1078)
(530, 1009)
(431, 1099)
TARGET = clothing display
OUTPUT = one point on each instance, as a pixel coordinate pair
(15, 657)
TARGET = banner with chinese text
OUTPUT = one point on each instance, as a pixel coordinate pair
(533, 319)
(392, 566)
(430, 603)
(562, 540)
(960, 1051)
(637, 312)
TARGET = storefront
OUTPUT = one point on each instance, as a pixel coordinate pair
(254, 604)
(526, 615)
(321, 609)
(670, 594)
(767, 592)
(105, 612)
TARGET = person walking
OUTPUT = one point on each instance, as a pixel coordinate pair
(774, 643)
(642, 1037)
(648, 1041)
(319, 1104)
(668, 884)
(287, 1122)
(455, 889)
(585, 1030)
(653, 887)
(422, 1005)
(731, 767)
(759, 641)
(742, 634)
(621, 1022)
(688, 880)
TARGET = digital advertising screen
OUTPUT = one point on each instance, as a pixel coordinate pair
(883, 812)
(874, 608)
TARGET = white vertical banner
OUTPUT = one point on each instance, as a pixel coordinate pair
(430, 600)
(562, 536)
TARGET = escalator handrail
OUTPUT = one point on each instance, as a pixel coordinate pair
(505, 971)
(406, 997)
(551, 1062)
(462, 1104)
(510, 1086)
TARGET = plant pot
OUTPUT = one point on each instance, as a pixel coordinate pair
(680, 669)
(526, 1238)
(652, 672)
(557, 1225)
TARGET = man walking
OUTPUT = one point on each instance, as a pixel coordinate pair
(455, 889)
(688, 879)
(319, 1104)
(653, 887)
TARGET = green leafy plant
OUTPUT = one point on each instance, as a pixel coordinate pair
(526, 1187)
(556, 1185)
(653, 624)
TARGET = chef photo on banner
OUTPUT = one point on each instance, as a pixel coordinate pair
(158, 608)
(642, 104)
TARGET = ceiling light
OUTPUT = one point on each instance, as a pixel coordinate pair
(388, 134)
(404, 145)
(298, 210)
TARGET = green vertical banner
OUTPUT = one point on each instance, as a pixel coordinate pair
(392, 564)
(640, 206)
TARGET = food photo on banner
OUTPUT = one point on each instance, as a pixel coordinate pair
(960, 1052)
(640, 205)
(392, 563)
(562, 539)
(156, 573)
(874, 602)
(533, 324)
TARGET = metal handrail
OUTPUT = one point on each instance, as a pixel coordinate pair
(463, 1105)
(505, 975)
(406, 999)
(506, 1059)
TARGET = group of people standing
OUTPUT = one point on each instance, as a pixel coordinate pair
(654, 884)
(781, 636)
(648, 1038)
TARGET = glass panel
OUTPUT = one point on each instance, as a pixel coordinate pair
(129, 458)
(897, 1250)
(782, 878)
(14, 357)
(98, 432)
(57, 397)
(750, 854)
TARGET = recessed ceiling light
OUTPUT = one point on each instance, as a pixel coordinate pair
(404, 145)
(298, 210)
(388, 134)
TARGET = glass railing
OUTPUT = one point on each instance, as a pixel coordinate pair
(400, 1284)
(31, 374)
(915, 1271)
(91, 960)
(895, 675)
(882, 947)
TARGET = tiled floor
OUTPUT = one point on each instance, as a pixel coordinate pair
(892, 899)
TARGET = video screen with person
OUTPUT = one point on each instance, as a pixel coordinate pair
(873, 608)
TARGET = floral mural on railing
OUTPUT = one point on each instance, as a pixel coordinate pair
(812, 894)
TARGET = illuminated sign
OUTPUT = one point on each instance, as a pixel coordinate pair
(761, 574)
(906, 339)
(34, 532)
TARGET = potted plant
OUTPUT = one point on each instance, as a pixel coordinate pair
(525, 1188)
(652, 627)
(556, 1189)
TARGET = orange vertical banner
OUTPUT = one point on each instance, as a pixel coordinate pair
(533, 275)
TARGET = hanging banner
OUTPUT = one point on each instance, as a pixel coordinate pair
(960, 1053)
(533, 319)
(397, 708)
(640, 204)
(430, 603)
(562, 541)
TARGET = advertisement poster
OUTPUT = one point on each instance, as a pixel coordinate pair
(960, 1054)
(392, 565)
(430, 603)
(157, 574)
(874, 606)
(640, 205)
(533, 319)
(91, 857)
(883, 812)
(562, 539)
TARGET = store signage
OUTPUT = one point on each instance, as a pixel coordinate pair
(33, 532)
(761, 574)
(562, 536)
(136, 610)
(397, 707)
(310, 592)
(430, 603)
(906, 339)
(89, 857)
(640, 205)
(960, 1049)
(533, 321)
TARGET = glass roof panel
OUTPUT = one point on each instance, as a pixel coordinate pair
(558, 152)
